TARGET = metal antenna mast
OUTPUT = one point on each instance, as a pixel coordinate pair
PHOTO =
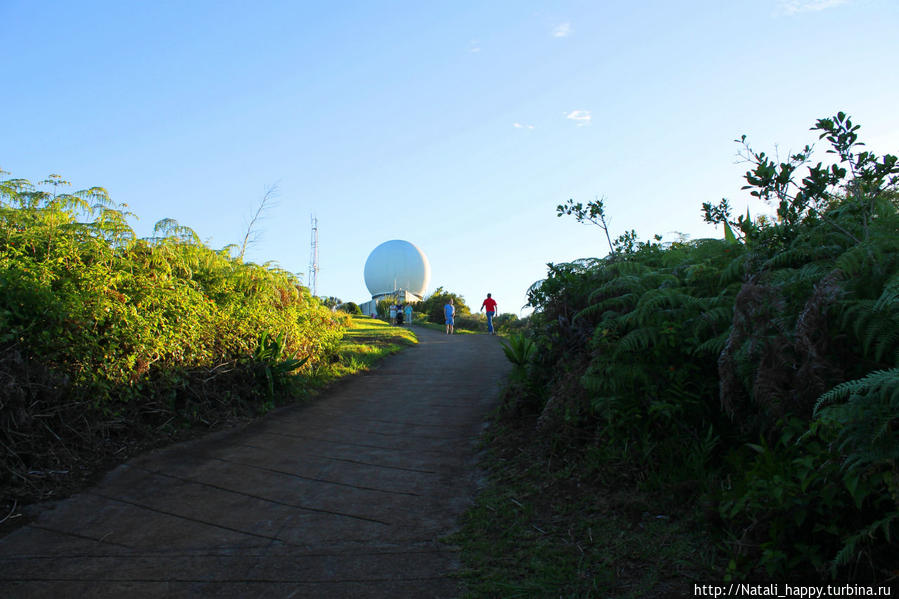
(313, 258)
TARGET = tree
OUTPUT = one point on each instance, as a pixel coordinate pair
(865, 180)
(331, 301)
(433, 304)
(350, 308)
(594, 212)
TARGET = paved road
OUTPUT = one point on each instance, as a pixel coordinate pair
(346, 497)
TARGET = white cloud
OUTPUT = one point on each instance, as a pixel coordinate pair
(792, 7)
(581, 117)
(520, 126)
(474, 46)
(563, 30)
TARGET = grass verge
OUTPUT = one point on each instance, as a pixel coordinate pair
(563, 525)
(364, 344)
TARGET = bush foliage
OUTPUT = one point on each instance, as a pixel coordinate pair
(350, 308)
(434, 303)
(759, 373)
(105, 336)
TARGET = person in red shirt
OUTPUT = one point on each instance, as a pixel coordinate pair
(490, 305)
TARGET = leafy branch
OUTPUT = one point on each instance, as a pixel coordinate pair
(872, 178)
(594, 213)
(741, 228)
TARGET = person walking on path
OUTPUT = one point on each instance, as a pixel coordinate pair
(449, 311)
(408, 311)
(490, 305)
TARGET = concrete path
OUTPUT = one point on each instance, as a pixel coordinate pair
(346, 497)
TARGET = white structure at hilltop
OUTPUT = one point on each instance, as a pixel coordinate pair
(396, 270)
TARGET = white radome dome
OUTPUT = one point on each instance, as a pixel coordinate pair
(396, 265)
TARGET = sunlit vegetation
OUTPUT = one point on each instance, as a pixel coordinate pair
(110, 343)
(365, 343)
(746, 388)
(434, 303)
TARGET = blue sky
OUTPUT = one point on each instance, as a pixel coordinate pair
(456, 126)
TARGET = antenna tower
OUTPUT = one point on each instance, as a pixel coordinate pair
(313, 258)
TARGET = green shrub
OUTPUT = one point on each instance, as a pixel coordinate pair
(509, 323)
(351, 308)
(519, 350)
(798, 505)
(470, 322)
(702, 362)
(135, 334)
(434, 303)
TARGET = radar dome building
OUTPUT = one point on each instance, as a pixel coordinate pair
(396, 270)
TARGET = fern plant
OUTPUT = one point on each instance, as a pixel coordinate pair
(519, 349)
(862, 414)
(859, 417)
(735, 340)
(139, 330)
